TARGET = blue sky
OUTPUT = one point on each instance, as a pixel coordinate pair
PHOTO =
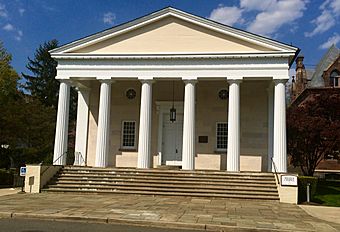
(311, 25)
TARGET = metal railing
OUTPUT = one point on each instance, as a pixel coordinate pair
(79, 159)
(276, 175)
(62, 155)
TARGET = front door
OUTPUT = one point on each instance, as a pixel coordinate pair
(172, 140)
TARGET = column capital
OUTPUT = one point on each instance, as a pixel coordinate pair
(148, 80)
(65, 81)
(108, 81)
(190, 80)
(278, 81)
(234, 80)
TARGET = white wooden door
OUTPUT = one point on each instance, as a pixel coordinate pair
(172, 140)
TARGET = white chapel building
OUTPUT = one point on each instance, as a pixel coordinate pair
(172, 88)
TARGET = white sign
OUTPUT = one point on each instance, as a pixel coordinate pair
(22, 171)
(289, 180)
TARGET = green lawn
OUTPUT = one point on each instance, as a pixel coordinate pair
(328, 193)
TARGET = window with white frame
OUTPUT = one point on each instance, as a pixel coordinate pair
(221, 136)
(129, 134)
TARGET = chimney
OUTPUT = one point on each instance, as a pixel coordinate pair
(301, 75)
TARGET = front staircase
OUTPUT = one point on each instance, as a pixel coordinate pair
(216, 184)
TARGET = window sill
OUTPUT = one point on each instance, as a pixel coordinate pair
(220, 151)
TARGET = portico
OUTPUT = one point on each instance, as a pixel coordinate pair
(124, 78)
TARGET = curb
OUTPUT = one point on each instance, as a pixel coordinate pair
(158, 224)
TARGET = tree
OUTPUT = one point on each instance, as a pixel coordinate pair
(314, 130)
(26, 125)
(8, 96)
(42, 84)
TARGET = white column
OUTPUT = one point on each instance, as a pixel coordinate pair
(188, 147)
(82, 126)
(144, 141)
(280, 149)
(233, 152)
(103, 131)
(61, 133)
(270, 91)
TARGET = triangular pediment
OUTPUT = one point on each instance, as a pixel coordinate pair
(170, 31)
(172, 35)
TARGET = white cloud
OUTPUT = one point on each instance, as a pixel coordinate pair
(226, 15)
(18, 34)
(8, 27)
(330, 10)
(109, 18)
(276, 15)
(3, 11)
(259, 5)
(335, 4)
(331, 40)
(21, 11)
(323, 22)
(271, 15)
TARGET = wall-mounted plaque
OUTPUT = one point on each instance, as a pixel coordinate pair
(289, 180)
(203, 139)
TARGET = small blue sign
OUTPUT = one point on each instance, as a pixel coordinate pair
(22, 171)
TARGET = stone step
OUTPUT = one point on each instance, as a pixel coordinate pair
(237, 196)
(108, 174)
(162, 189)
(178, 178)
(166, 185)
(166, 181)
(245, 185)
(196, 172)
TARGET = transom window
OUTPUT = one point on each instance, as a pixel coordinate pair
(129, 134)
(221, 135)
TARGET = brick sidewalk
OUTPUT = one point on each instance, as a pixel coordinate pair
(175, 212)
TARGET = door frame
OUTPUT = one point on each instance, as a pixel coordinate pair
(163, 107)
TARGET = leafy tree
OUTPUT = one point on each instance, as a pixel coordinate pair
(26, 125)
(42, 84)
(8, 96)
(314, 130)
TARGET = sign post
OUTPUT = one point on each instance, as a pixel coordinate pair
(23, 174)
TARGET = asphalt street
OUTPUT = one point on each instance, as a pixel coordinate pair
(30, 225)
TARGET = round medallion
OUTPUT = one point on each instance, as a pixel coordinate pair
(130, 94)
(223, 94)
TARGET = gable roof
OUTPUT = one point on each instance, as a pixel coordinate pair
(327, 59)
(278, 47)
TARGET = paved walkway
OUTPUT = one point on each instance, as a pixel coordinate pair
(175, 212)
(327, 213)
(9, 191)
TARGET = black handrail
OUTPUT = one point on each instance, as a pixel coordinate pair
(277, 177)
(82, 157)
(65, 153)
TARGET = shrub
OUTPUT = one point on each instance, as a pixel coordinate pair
(302, 183)
(6, 178)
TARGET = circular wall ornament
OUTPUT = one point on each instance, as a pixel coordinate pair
(130, 94)
(223, 94)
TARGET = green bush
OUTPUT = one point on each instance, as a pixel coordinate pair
(302, 183)
(6, 178)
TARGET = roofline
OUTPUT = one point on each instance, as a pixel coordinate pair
(172, 55)
(312, 90)
(165, 12)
